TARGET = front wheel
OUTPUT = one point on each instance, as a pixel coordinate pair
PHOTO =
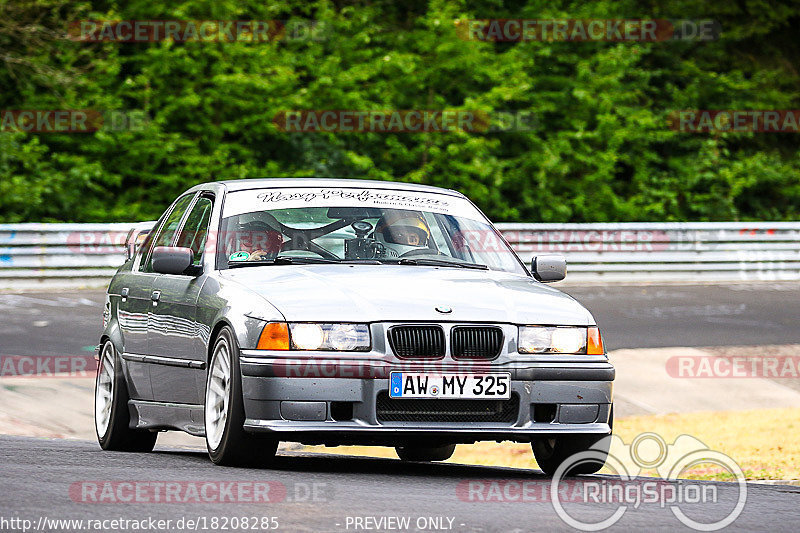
(551, 452)
(111, 416)
(425, 453)
(226, 440)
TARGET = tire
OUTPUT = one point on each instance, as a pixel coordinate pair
(551, 452)
(111, 415)
(425, 453)
(227, 442)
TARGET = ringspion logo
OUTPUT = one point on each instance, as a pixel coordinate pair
(650, 451)
(640, 490)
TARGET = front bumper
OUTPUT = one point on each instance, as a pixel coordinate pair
(338, 403)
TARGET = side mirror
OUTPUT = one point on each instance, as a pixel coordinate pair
(548, 268)
(172, 260)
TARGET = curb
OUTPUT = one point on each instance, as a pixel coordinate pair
(788, 482)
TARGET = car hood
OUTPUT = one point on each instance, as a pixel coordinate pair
(377, 293)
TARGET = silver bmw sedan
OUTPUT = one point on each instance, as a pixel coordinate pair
(327, 311)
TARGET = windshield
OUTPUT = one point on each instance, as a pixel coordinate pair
(358, 225)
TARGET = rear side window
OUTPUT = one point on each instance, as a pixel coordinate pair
(167, 230)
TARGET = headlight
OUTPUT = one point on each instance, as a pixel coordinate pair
(568, 340)
(336, 337)
(551, 339)
(535, 340)
(348, 337)
(307, 336)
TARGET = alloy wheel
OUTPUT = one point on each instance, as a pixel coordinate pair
(218, 394)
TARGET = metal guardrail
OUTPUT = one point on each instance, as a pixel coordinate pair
(681, 251)
(44, 255)
(60, 255)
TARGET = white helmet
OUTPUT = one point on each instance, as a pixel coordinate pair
(402, 231)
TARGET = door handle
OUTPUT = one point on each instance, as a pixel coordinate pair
(155, 296)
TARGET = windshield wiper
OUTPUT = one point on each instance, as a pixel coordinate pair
(292, 260)
(440, 262)
(282, 260)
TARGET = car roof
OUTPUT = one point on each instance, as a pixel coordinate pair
(263, 183)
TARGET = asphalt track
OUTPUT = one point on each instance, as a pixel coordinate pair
(636, 316)
(339, 493)
(653, 316)
(46, 479)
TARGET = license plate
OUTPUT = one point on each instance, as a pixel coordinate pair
(463, 386)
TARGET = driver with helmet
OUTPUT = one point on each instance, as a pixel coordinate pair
(256, 240)
(402, 232)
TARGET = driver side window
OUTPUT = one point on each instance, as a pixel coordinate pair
(195, 230)
(167, 230)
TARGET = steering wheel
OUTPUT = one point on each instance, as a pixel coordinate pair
(421, 251)
(303, 250)
(297, 244)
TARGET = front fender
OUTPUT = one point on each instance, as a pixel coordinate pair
(228, 302)
(111, 330)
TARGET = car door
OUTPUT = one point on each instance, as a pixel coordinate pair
(136, 303)
(175, 341)
(132, 314)
(133, 310)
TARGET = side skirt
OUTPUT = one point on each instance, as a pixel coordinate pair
(159, 415)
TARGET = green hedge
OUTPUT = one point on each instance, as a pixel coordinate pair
(601, 148)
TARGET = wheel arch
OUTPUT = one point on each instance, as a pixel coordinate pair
(113, 333)
(221, 323)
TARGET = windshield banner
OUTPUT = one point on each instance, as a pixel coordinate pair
(239, 202)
